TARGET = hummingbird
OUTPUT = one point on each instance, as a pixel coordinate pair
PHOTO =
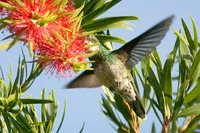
(112, 68)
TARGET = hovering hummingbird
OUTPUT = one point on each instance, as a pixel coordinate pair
(112, 69)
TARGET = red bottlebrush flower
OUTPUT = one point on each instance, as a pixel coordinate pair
(51, 30)
(60, 59)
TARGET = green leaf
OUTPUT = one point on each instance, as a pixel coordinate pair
(10, 36)
(78, 3)
(43, 106)
(108, 95)
(109, 111)
(16, 39)
(82, 128)
(194, 72)
(78, 12)
(192, 110)
(92, 15)
(184, 50)
(153, 128)
(109, 20)
(157, 89)
(24, 123)
(10, 85)
(23, 71)
(15, 85)
(157, 61)
(2, 75)
(180, 98)
(89, 6)
(122, 107)
(189, 37)
(108, 38)
(98, 5)
(63, 117)
(154, 104)
(195, 92)
(36, 70)
(7, 122)
(107, 23)
(174, 128)
(35, 101)
(183, 71)
(17, 125)
(167, 77)
(144, 81)
(195, 34)
(13, 101)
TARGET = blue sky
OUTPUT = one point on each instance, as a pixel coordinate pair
(83, 106)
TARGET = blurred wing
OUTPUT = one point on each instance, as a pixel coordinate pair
(86, 80)
(135, 50)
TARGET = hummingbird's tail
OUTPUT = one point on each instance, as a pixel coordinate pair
(137, 107)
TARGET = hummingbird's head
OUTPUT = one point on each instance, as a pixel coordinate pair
(92, 43)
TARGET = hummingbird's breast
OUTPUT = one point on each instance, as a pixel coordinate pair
(114, 75)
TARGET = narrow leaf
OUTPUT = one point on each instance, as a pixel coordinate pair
(82, 128)
(153, 128)
(195, 34)
(180, 98)
(35, 101)
(194, 72)
(106, 23)
(7, 122)
(188, 35)
(109, 111)
(89, 6)
(23, 122)
(157, 89)
(195, 92)
(122, 107)
(43, 106)
(92, 15)
(108, 38)
(155, 111)
(184, 50)
(63, 117)
(192, 110)
(167, 77)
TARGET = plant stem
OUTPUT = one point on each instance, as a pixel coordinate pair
(165, 126)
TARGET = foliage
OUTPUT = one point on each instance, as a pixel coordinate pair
(171, 88)
(173, 98)
(18, 114)
(60, 37)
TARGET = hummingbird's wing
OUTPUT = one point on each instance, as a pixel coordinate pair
(135, 50)
(86, 80)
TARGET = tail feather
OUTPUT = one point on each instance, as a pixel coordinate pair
(138, 108)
